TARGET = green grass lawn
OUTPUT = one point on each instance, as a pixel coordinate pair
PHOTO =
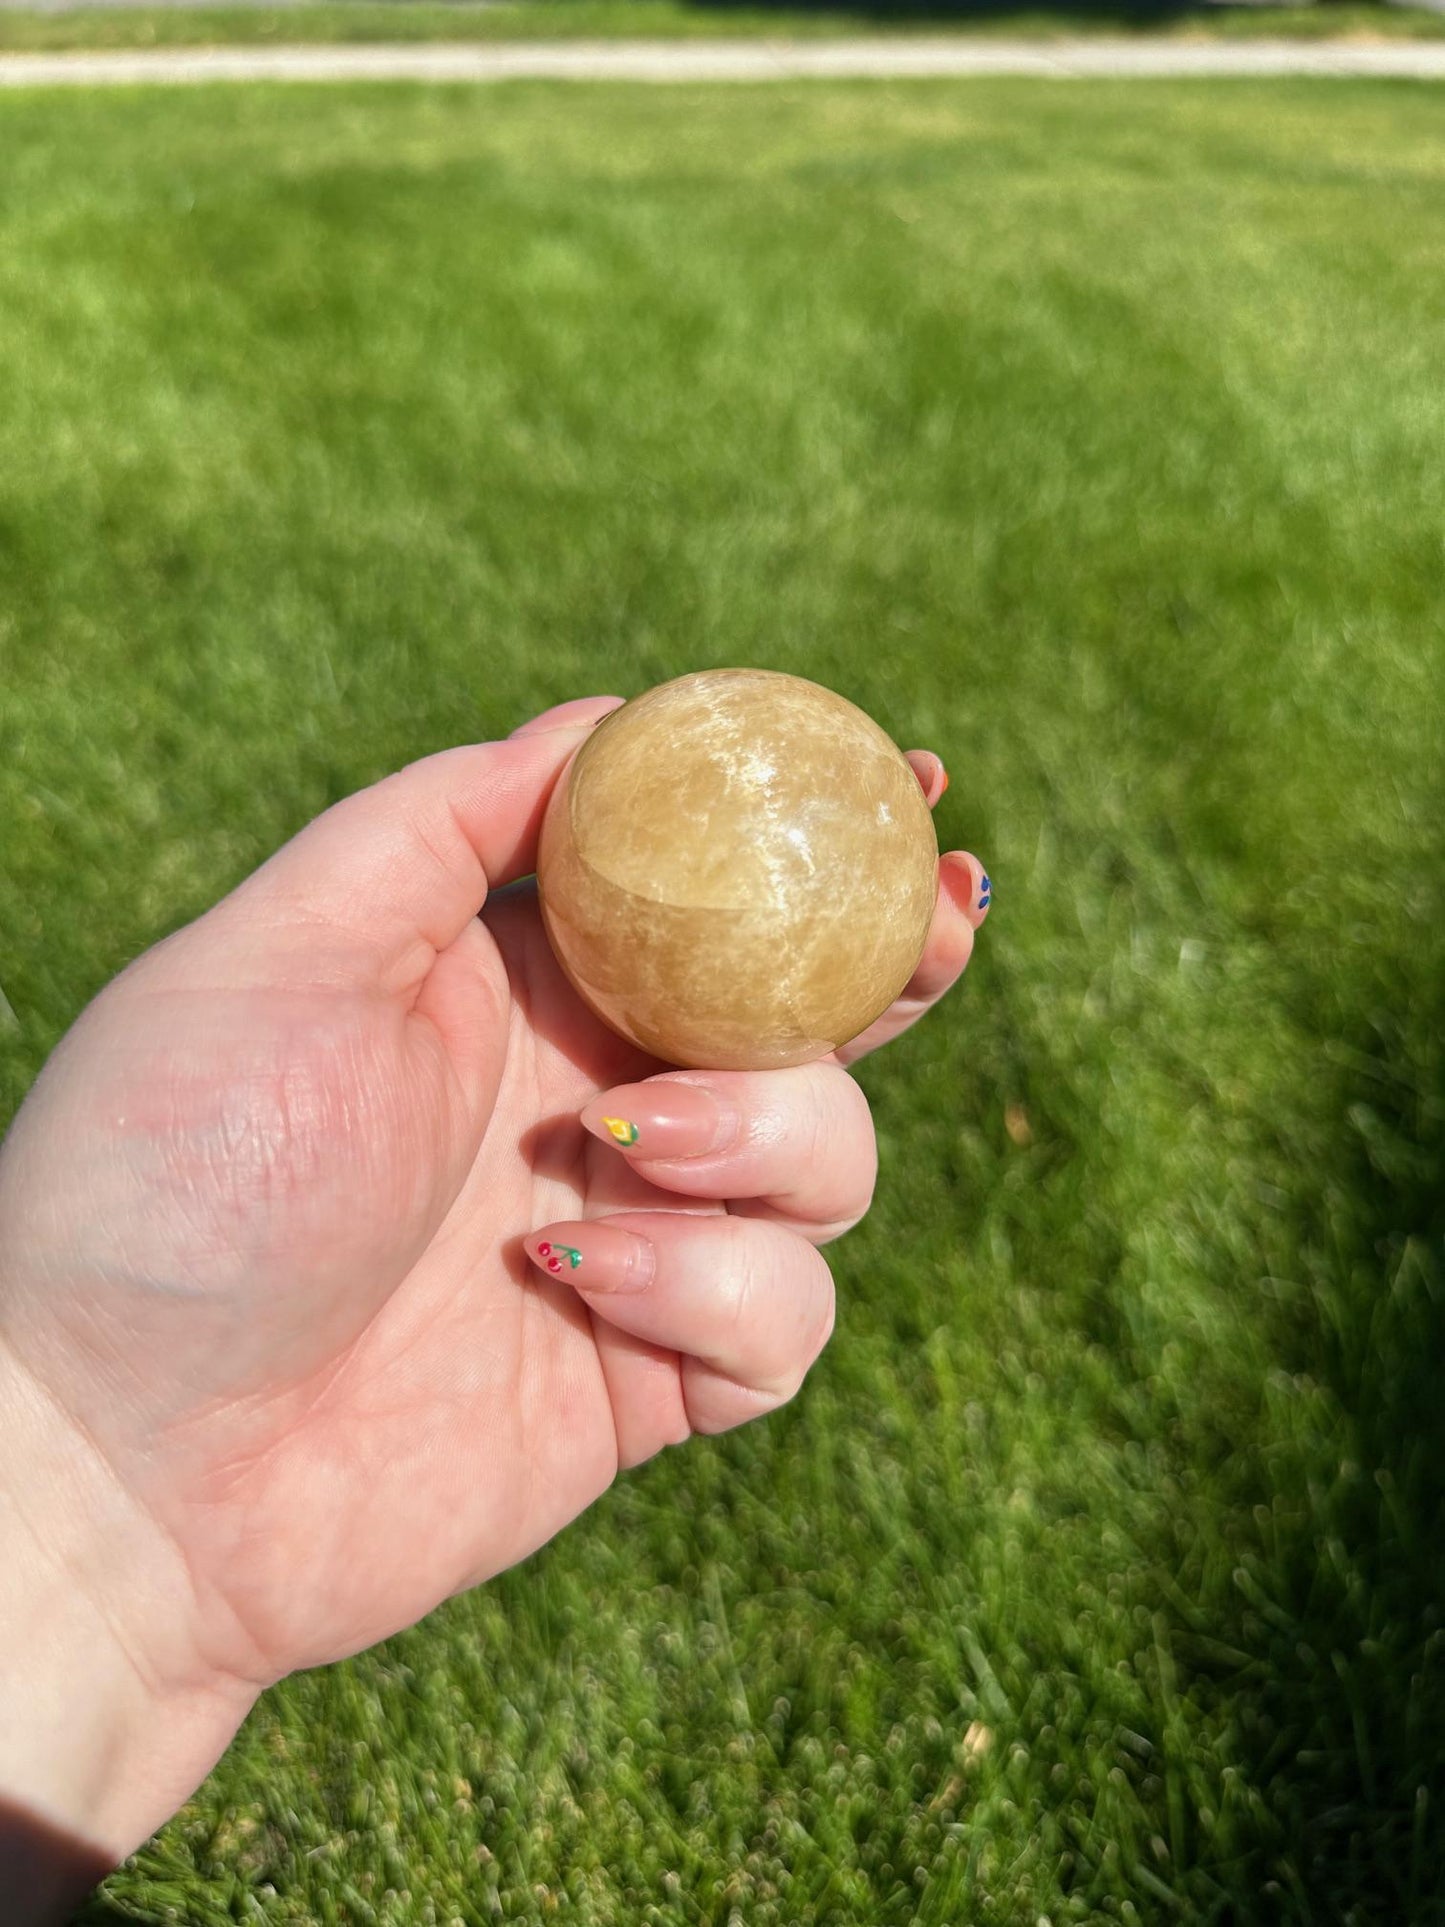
(426, 20)
(1091, 435)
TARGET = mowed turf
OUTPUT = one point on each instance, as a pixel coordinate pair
(1089, 434)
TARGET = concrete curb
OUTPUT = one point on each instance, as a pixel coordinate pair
(729, 60)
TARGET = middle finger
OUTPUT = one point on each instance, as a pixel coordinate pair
(795, 1146)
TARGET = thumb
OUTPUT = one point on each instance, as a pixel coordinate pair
(404, 866)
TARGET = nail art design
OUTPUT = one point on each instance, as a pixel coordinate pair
(984, 891)
(673, 1120)
(554, 1254)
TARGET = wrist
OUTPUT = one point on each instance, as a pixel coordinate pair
(109, 1718)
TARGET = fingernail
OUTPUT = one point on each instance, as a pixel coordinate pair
(595, 1256)
(660, 1120)
(933, 778)
(564, 716)
(958, 872)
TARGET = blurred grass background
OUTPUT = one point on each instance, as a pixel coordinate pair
(1088, 434)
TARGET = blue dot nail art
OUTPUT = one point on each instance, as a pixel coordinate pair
(984, 891)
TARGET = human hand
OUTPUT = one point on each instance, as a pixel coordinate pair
(278, 1376)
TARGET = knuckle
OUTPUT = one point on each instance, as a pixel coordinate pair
(838, 1153)
(831, 1106)
(798, 1277)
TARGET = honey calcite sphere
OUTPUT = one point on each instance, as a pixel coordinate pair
(737, 870)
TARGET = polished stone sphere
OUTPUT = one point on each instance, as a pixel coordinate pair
(737, 870)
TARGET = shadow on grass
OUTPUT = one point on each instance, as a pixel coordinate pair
(43, 1869)
(1090, 16)
(1339, 1723)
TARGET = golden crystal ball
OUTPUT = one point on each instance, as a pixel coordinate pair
(737, 870)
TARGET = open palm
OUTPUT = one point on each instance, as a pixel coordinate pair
(264, 1215)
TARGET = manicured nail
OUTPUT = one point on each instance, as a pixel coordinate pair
(927, 766)
(660, 1120)
(595, 1256)
(958, 870)
(957, 874)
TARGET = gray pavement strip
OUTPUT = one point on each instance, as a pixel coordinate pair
(729, 60)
